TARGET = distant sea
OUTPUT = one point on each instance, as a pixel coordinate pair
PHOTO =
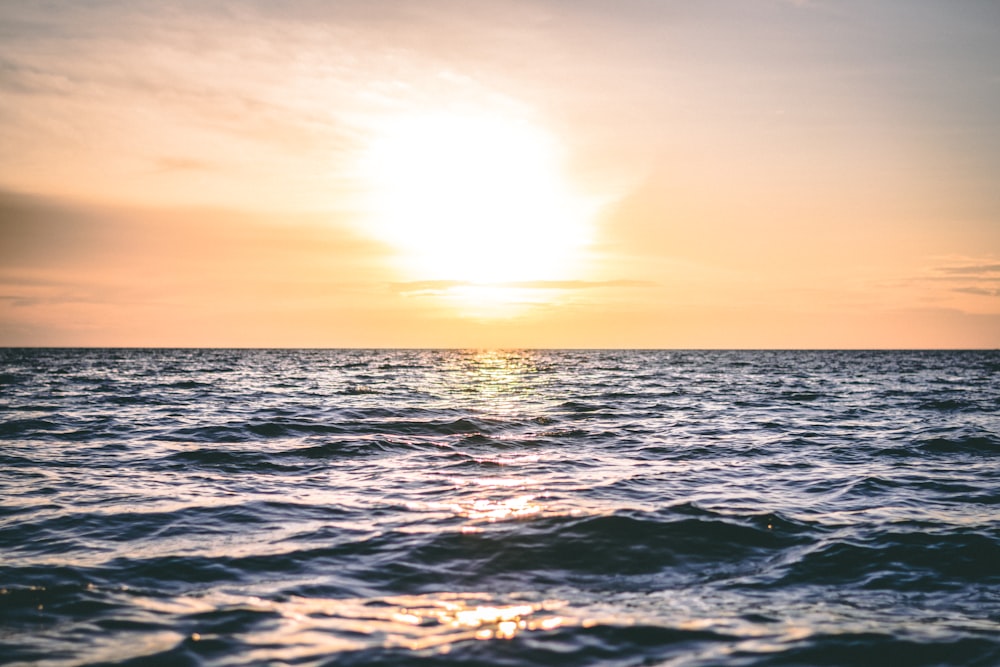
(394, 507)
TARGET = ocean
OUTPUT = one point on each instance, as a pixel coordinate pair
(421, 507)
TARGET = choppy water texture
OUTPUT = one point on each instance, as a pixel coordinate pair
(499, 508)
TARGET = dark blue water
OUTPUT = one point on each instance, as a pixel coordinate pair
(331, 507)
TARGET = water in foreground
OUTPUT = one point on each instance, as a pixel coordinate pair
(499, 508)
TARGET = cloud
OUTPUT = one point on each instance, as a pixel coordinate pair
(37, 231)
(27, 80)
(439, 286)
(978, 278)
(19, 301)
(54, 299)
(165, 164)
(979, 291)
(426, 286)
(48, 244)
(971, 270)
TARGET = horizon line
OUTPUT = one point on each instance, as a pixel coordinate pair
(503, 348)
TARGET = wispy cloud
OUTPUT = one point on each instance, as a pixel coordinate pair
(971, 270)
(439, 286)
(978, 291)
(165, 164)
(28, 80)
(975, 276)
(19, 301)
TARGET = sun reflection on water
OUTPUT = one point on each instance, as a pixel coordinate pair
(518, 507)
(312, 626)
(504, 381)
(477, 509)
(279, 627)
(499, 381)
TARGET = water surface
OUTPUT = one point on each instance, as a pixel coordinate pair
(334, 507)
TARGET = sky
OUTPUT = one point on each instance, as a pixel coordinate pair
(515, 173)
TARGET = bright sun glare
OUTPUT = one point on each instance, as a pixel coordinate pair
(480, 200)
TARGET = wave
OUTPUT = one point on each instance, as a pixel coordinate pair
(971, 444)
(25, 427)
(900, 561)
(349, 423)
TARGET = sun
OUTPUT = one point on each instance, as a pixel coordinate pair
(475, 199)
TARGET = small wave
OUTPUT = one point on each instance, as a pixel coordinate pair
(359, 390)
(874, 648)
(280, 429)
(900, 561)
(681, 542)
(801, 396)
(188, 384)
(949, 405)
(228, 460)
(580, 406)
(349, 448)
(138, 400)
(343, 422)
(80, 531)
(27, 605)
(11, 378)
(969, 444)
(565, 434)
(213, 434)
(475, 439)
(246, 432)
(20, 427)
(872, 486)
(459, 426)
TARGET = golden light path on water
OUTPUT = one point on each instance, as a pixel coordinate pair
(313, 628)
(479, 201)
(438, 621)
(496, 379)
(308, 627)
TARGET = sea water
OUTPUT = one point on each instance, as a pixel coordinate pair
(393, 507)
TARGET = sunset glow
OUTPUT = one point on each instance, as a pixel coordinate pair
(381, 174)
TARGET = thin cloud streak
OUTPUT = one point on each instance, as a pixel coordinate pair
(436, 286)
(976, 269)
(978, 291)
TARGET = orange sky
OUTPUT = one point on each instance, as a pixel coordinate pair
(739, 174)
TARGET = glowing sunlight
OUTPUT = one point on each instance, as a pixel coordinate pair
(478, 200)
